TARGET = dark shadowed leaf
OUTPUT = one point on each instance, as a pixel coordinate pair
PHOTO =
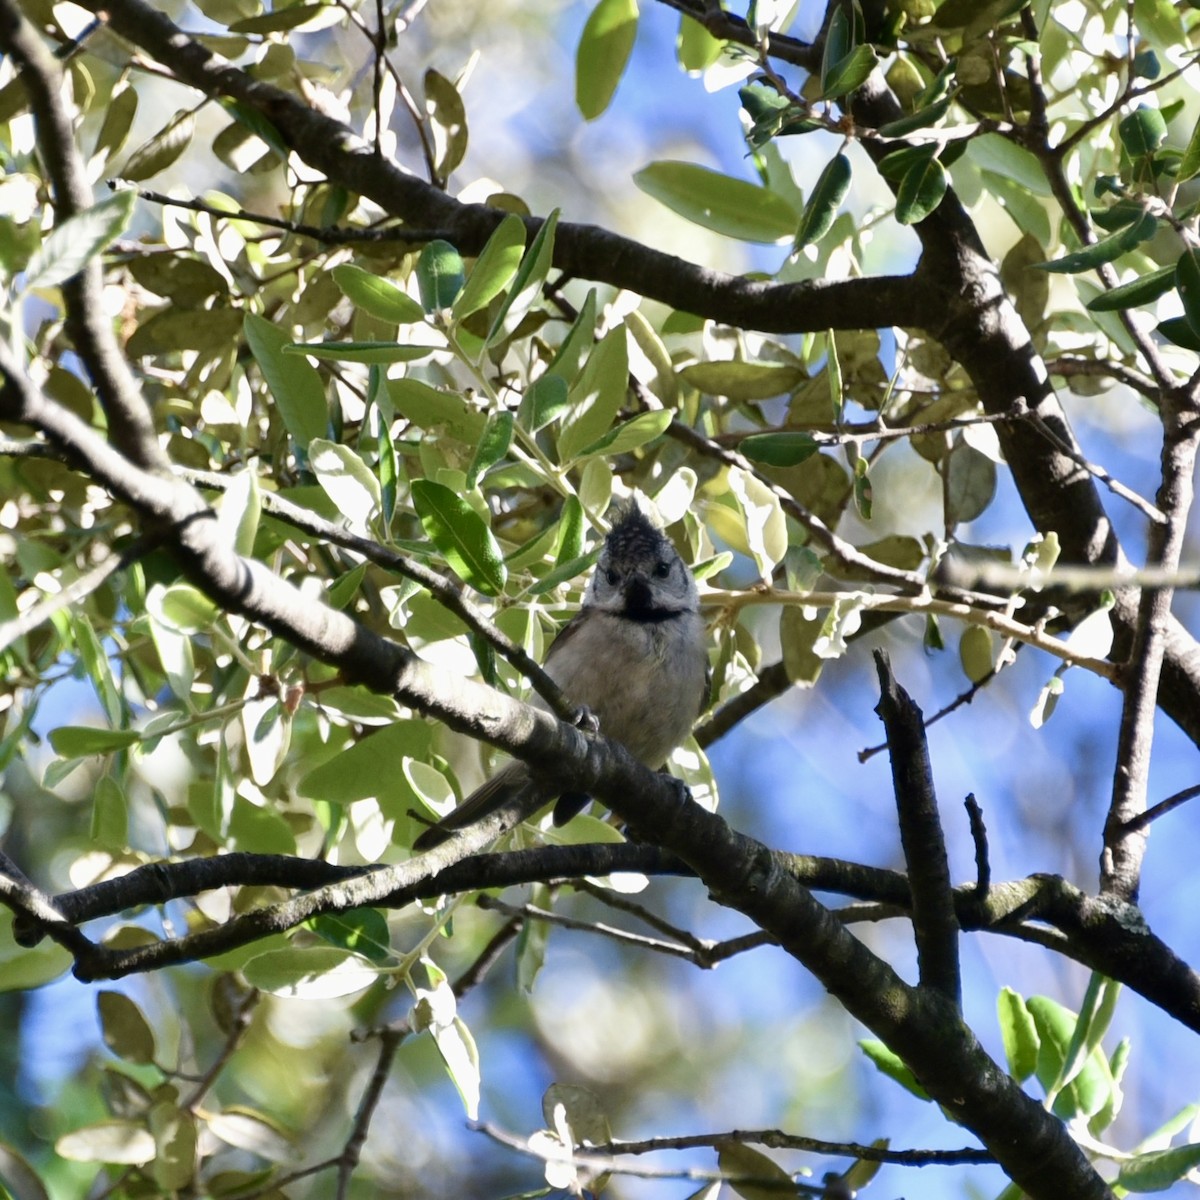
(779, 449)
(1187, 283)
(827, 195)
(1142, 290)
(1143, 131)
(161, 150)
(921, 191)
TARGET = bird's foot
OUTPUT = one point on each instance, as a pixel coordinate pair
(585, 720)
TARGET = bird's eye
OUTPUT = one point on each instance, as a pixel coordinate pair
(662, 570)
(612, 577)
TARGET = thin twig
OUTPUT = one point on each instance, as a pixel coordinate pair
(328, 236)
(870, 601)
(1114, 485)
(73, 592)
(983, 867)
(776, 1139)
(1144, 820)
(604, 1164)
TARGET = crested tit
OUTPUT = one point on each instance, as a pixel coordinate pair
(634, 655)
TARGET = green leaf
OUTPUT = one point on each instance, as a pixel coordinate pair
(893, 1067)
(630, 434)
(110, 814)
(281, 20)
(123, 1142)
(19, 1177)
(239, 510)
(1093, 1085)
(364, 352)
(78, 741)
(431, 409)
(118, 117)
(779, 449)
(126, 1031)
(1189, 165)
(347, 481)
(827, 195)
(354, 774)
(1105, 250)
(732, 207)
(309, 972)
(1187, 283)
(603, 54)
(975, 653)
(1157, 1170)
(1142, 290)
(252, 119)
(293, 381)
(742, 380)
(563, 572)
(696, 48)
(496, 265)
(545, 400)
(1019, 1034)
(493, 446)
(440, 275)
(921, 191)
(185, 608)
(737, 1160)
(361, 930)
(970, 483)
(1142, 131)
(1179, 331)
(597, 397)
(74, 243)
(527, 284)
(570, 532)
(578, 342)
(839, 40)
(160, 151)
(379, 297)
(920, 119)
(459, 532)
(448, 116)
(848, 73)
(23, 968)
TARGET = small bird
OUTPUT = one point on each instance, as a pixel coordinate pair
(634, 656)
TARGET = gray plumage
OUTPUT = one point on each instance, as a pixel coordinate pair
(634, 655)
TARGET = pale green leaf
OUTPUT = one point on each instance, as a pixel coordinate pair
(377, 296)
(603, 54)
(729, 206)
(494, 268)
(75, 242)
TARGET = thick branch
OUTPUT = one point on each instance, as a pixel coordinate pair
(1124, 843)
(934, 923)
(586, 251)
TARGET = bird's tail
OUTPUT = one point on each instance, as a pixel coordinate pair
(512, 784)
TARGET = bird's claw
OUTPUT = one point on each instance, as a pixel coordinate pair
(585, 720)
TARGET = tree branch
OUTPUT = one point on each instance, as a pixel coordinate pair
(934, 923)
(129, 421)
